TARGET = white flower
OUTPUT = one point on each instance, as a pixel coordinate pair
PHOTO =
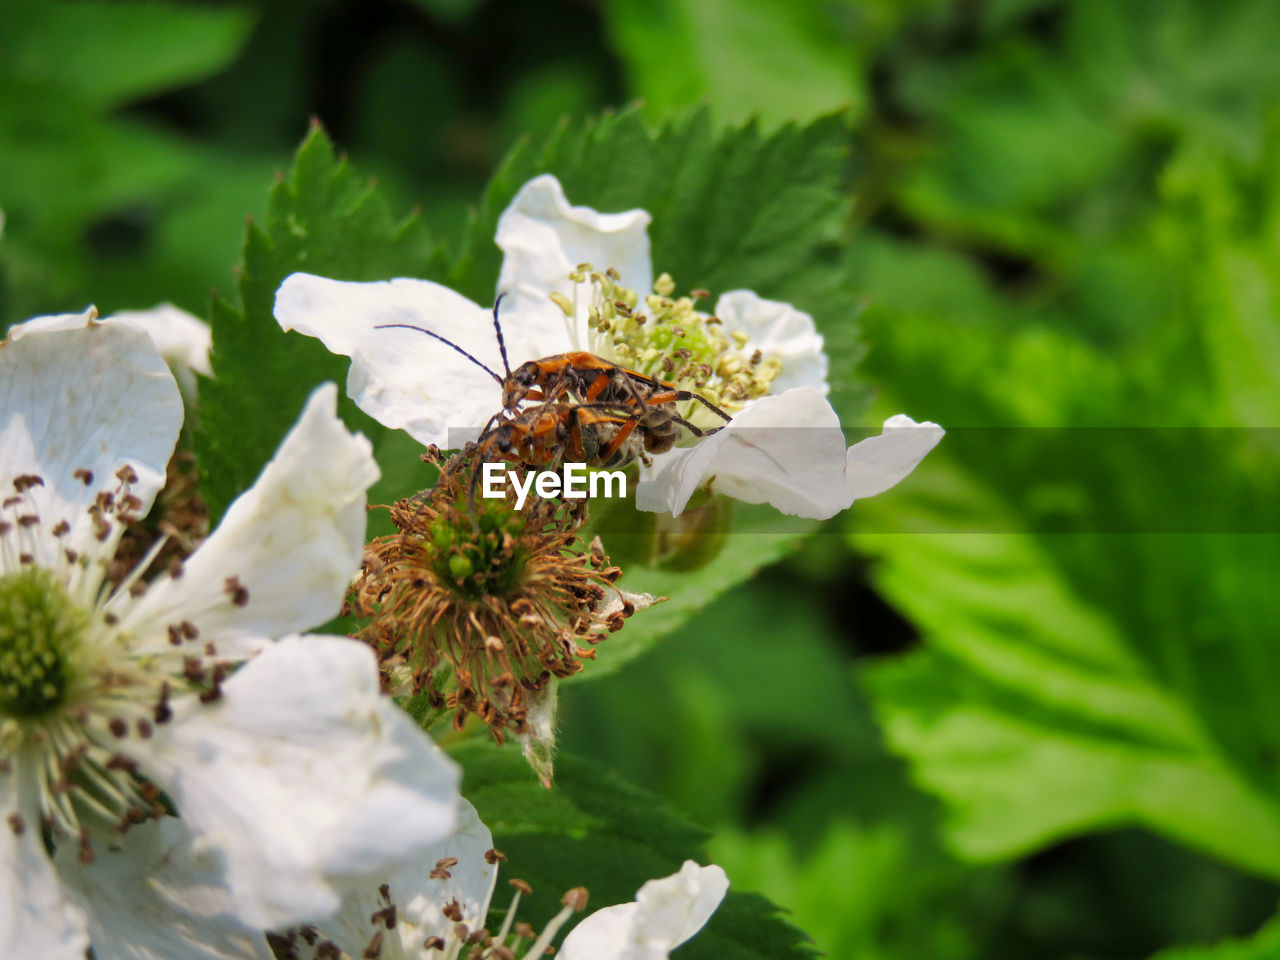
(767, 365)
(285, 772)
(430, 911)
(664, 914)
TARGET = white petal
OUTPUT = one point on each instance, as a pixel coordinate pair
(470, 884)
(305, 777)
(419, 898)
(404, 379)
(294, 540)
(543, 239)
(538, 744)
(182, 339)
(75, 394)
(156, 897)
(785, 450)
(878, 463)
(38, 918)
(780, 330)
(680, 905)
(615, 602)
(665, 914)
(54, 321)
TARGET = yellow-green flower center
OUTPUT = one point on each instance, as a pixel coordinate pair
(40, 631)
(669, 338)
(480, 560)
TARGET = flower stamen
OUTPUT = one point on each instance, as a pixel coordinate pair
(70, 689)
(480, 606)
(670, 339)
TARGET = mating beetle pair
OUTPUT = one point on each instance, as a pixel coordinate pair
(584, 409)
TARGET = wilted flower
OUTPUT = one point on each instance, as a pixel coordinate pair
(483, 607)
(750, 357)
(435, 910)
(120, 702)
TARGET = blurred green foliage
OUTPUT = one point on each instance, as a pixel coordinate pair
(100, 202)
(1264, 946)
(1126, 673)
(1022, 706)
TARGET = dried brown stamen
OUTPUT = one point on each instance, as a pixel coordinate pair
(479, 605)
(179, 514)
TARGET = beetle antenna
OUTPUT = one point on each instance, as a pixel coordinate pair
(449, 343)
(502, 344)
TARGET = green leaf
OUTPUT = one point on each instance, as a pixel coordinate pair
(1029, 712)
(1118, 77)
(104, 53)
(738, 208)
(92, 200)
(860, 891)
(1264, 945)
(740, 677)
(705, 568)
(450, 11)
(61, 170)
(597, 831)
(322, 218)
(846, 845)
(1095, 604)
(731, 210)
(774, 59)
(1085, 681)
(1222, 216)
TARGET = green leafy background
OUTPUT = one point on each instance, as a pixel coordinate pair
(1024, 705)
